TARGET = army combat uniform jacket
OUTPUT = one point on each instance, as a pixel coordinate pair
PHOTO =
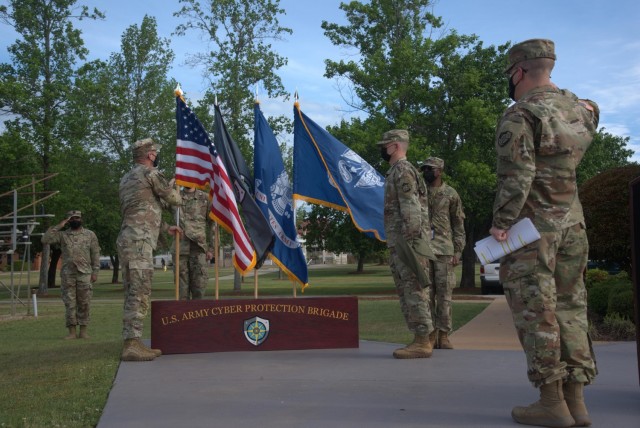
(541, 139)
(447, 221)
(195, 222)
(80, 249)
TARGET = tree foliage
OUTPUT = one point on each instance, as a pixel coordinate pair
(605, 201)
(447, 89)
(238, 34)
(34, 86)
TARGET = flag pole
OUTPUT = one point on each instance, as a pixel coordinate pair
(255, 283)
(176, 264)
(217, 261)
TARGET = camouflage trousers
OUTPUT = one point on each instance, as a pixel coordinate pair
(544, 286)
(443, 279)
(136, 260)
(193, 270)
(76, 291)
(414, 297)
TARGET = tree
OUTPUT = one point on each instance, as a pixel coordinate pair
(446, 88)
(606, 152)
(605, 201)
(116, 103)
(240, 59)
(332, 230)
(34, 86)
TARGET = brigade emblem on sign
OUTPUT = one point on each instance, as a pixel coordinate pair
(256, 330)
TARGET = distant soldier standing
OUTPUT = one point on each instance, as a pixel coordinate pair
(540, 140)
(406, 225)
(144, 193)
(447, 242)
(196, 243)
(80, 268)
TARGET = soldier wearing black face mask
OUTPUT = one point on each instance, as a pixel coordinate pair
(446, 220)
(80, 267)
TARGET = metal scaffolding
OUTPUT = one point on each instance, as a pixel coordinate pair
(16, 230)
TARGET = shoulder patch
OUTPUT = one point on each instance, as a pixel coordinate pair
(504, 138)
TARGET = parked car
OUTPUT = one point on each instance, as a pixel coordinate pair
(612, 267)
(490, 279)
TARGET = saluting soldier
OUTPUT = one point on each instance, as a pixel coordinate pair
(144, 193)
(540, 140)
(80, 268)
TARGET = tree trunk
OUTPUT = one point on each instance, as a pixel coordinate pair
(468, 277)
(53, 265)
(360, 268)
(237, 280)
(44, 268)
(115, 262)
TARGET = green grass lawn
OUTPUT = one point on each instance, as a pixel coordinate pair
(46, 381)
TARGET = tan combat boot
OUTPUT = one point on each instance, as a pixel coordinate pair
(156, 352)
(419, 348)
(134, 352)
(443, 340)
(550, 411)
(573, 395)
(432, 339)
(72, 333)
(83, 332)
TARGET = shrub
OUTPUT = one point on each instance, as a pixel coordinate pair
(598, 298)
(621, 303)
(615, 327)
(595, 276)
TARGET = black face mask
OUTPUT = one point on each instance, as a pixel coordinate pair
(429, 176)
(156, 161)
(75, 224)
(383, 153)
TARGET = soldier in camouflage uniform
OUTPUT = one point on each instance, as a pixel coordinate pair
(144, 193)
(196, 243)
(447, 243)
(540, 141)
(80, 267)
(406, 222)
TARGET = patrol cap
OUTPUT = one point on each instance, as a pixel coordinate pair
(401, 135)
(142, 147)
(433, 162)
(530, 49)
(74, 213)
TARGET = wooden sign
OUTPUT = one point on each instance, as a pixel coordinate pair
(182, 327)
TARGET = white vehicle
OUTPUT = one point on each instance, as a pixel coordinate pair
(490, 279)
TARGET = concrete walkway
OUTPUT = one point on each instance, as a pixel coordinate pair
(474, 385)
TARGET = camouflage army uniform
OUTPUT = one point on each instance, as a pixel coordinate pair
(195, 241)
(406, 218)
(144, 193)
(447, 240)
(540, 141)
(80, 260)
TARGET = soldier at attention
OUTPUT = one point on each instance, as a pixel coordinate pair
(447, 242)
(196, 243)
(406, 225)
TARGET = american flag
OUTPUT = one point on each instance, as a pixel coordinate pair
(198, 164)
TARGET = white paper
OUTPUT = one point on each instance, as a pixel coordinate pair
(520, 234)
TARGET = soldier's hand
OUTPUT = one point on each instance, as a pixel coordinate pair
(455, 260)
(499, 234)
(172, 182)
(94, 277)
(174, 229)
(209, 255)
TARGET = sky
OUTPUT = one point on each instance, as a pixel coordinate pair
(597, 48)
